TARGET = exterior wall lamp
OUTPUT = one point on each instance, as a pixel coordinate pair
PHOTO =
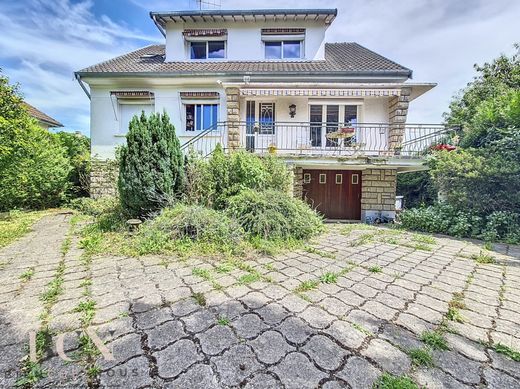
(292, 110)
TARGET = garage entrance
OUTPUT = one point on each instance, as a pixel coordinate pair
(334, 193)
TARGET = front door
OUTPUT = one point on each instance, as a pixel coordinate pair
(334, 193)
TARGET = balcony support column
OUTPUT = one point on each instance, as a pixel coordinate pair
(397, 112)
(233, 118)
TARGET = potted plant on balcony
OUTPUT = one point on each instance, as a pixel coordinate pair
(271, 149)
(347, 132)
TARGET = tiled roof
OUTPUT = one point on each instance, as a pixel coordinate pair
(42, 117)
(342, 58)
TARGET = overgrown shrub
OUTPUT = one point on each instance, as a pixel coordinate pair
(273, 215)
(445, 219)
(189, 223)
(213, 181)
(151, 172)
(77, 147)
(106, 211)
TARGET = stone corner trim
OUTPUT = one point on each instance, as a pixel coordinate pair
(378, 189)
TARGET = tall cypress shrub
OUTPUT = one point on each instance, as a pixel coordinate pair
(151, 172)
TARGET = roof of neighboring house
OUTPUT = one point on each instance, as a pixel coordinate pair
(344, 59)
(40, 116)
(325, 15)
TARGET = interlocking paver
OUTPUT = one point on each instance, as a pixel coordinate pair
(264, 335)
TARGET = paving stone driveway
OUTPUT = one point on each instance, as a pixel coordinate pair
(268, 322)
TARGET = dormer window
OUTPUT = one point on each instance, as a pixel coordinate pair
(208, 49)
(283, 43)
(283, 50)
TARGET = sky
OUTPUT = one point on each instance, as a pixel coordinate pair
(42, 42)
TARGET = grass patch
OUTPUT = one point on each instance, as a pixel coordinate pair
(426, 239)
(269, 266)
(348, 228)
(305, 286)
(435, 340)
(88, 310)
(507, 351)
(483, 258)
(363, 239)
(15, 224)
(375, 269)
(32, 373)
(389, 381)
(225, 267)
(249, 278)
(55, 287)
(321, 253)
(329, 278)
(199, 299)
(223, 321)
(202, 273)
(453, 314)
(418, 246)
(27, 275)
(421, 356)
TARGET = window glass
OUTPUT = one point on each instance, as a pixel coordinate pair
(273, 50)
(351, 114)
(190, 117)
(291, 49)
(198, 117)
(198, 50)
(323, 178)
(216, 49)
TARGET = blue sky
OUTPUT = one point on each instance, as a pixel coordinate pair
(43, 42)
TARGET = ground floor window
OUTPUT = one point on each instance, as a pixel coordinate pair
(201, 116)
(127, 110)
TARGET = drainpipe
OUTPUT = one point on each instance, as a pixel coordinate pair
(82, 85)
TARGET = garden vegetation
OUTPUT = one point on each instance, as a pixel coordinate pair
(479, 182)
(38, 169)
(228, 204)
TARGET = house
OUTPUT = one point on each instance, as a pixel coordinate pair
(266, 81)
(44, 120)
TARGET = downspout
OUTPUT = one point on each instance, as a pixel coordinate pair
(158, 25)
(82, 85)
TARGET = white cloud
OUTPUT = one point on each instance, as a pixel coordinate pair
(48, 41)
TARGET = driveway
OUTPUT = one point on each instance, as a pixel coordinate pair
(338, 314)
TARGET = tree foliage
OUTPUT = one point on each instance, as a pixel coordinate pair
(482, 177)
(151, 172)
(34, 167)
(77, 147)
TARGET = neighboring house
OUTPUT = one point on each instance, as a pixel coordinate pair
(266, 81)
(44, 120)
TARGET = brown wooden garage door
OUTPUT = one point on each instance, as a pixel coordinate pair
(335, 193)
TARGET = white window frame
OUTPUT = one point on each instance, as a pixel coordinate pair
(206, 40)
(198, 102)
(278, 40)
(306, 178)
(340, 176)
(324, 175)
(356, 180)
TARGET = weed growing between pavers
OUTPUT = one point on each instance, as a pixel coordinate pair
(27, 275)
(421, 356)
(435, 339)
(507, 351)
(389, 381)
(484, 258)
(223, 320)
(362, 329)
(329, 278)
(305, 286)
(375, 269)
(321, 253)
(199, 298)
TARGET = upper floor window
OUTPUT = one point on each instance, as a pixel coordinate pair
(283, 49)
(207, 49)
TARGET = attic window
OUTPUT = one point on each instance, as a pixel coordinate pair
(207, 49)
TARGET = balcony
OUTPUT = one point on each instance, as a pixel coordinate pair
(332, 140)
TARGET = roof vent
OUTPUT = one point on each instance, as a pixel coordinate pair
(150, 55)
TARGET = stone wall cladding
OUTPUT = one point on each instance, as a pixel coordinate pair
(378, 190)
(233, 118)
(298, 182)
(103, 178)
(397, 113)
